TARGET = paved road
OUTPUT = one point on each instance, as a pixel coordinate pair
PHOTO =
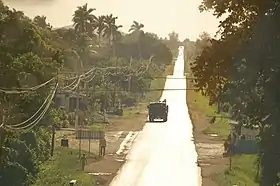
(164, 153)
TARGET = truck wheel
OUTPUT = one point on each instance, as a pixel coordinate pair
(165, 119)
(151, 119)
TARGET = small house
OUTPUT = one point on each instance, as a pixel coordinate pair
(68, 101)
(243, 138)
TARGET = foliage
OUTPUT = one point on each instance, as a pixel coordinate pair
(241, 70)
(32, 52)
(62, 168)
(242, 173)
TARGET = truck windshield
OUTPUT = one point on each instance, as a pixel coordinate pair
(157, 105)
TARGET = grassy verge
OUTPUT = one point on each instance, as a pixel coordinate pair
(243, 166)
(220, 126)
(242, 174)
(243, 169)
(158, 83)
(61, 169)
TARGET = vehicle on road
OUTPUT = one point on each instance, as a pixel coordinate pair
(158, 110)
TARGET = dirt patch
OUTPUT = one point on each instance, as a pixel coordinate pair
(104, 170)
(209, 147)
(134, 119)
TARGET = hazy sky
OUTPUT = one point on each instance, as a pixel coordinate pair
(158, 16)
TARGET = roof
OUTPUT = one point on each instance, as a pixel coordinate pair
(232, 122)
(157, 103)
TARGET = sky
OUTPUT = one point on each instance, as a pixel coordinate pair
(158, 16)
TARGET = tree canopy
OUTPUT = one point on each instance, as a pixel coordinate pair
(240, 71)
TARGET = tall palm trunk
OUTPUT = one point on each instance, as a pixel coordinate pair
(139, 44)
(99, 38)
(139, 50)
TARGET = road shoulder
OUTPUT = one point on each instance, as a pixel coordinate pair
(209, 146)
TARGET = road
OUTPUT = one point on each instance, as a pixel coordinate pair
(164, 153)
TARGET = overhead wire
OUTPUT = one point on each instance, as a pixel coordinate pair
(76, 77)
(77, 84)
(25, 90)
(38, 119)
(49, 98)
(89, 80)
(133, 73)
(34, 115)
(34, 88)
(68, 86)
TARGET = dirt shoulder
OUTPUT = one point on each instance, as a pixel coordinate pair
(209, 146)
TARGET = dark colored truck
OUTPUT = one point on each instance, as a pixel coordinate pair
(158, 110)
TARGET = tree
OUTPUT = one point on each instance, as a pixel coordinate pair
(111, 30)
(41, 21)
(26, 59)
(100, 25)
(137, 29)
(110, 27)
(173, 42)
(241, 70)
(82, 19)
(173, 36)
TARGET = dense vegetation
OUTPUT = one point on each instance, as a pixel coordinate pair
(240, 71)
(93, 56)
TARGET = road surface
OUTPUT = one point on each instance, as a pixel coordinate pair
(164, 154)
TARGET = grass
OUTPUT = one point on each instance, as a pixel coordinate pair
(243, 169)
(221, 126)
(243, 166)
(242, 174)
(61, 169)
(97, 127)
(158, 84)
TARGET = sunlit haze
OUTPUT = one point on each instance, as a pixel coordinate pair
(160, 17)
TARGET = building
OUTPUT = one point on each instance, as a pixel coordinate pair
(243, 138)
(68, 101)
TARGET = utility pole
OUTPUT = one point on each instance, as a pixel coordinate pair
(105, 103)
(2, 134)
(53, 139)
(129, 78)
(77, 116)
(53, 125)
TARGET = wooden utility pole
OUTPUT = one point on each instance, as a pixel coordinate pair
(53, 125)
(2, 134)
(129, 78)
(53, 139)
(77, 114)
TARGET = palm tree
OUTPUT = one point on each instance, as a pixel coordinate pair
(110, 23)
(83, 19)
(18, 14)
(137, 28)
(116, 36)
(41, 21)
(99, 25)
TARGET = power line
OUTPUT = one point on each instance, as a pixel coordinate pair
(25, 90)
(144, 90)
(37, 120)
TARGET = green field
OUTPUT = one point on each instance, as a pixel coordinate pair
(221, 126)
(61, 169)
(243, 172)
